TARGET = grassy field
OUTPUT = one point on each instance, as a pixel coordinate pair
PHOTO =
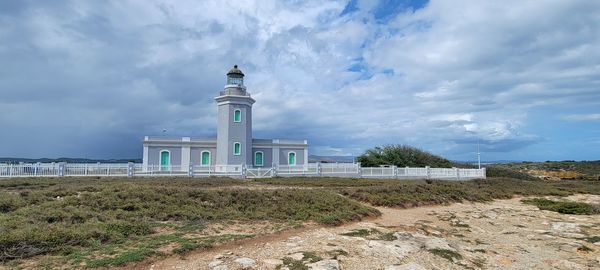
(110, 221)
(585, 170)
(411, 193)
(94, 222)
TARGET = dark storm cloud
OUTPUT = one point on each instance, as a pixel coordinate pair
(91, 78)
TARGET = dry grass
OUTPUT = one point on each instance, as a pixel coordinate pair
(112, 221)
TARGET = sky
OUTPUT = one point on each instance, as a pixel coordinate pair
(90, 79)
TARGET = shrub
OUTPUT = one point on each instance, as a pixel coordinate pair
(575, 208)
(59, 214)
(501, 171)
(127, 229)
(401, 156)
(10, 202)
(446, 254)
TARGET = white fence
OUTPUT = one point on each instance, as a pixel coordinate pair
(352, 170)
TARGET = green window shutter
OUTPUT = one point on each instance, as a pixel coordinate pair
(258, 158)
(205, 158)
(292, 159)
(237, 116)
(237, 148)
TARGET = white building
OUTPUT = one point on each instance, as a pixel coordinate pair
(234, 144)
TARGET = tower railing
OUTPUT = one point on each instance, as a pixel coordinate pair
(234, 92)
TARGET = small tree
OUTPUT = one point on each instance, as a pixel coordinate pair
(401, 156)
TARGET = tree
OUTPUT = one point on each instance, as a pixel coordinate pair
(401, 156)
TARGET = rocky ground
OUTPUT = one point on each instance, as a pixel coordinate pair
(504, 234)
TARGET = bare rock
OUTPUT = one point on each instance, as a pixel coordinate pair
(245, 262)
(297, 256)
(222, 255)
(214, 264)
(437, 243)
(566, 229)
(406, 266)
(272, 263)
(295, 239)
(325, 265)
(397, 249)
(490, 215)
(566, 264)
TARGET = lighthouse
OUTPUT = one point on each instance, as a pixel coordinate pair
(234, 146)
(234, 126)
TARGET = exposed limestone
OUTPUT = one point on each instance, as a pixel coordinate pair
(325, 265)
(406, 266)
(566, 229)
(503, 234)
(214, 264)
(245, 262)
(272, 263)
(221, 267)
(296, 256)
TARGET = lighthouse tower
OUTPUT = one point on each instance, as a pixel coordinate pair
(234, 128)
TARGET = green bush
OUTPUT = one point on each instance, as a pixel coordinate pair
(401, 156)
(10, 202)
(503, 171)
(575, 208)
(446, 254)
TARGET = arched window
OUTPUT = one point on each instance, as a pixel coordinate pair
(237, 149)
(205, 161)
(291, 158)
(165, 160)
(258, 158)
(237, 115)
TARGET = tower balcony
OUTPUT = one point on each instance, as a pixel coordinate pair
(234, 90)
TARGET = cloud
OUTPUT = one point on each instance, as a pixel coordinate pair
(95, 77)
(583, 117)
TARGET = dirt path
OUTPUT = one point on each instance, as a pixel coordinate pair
(504, 234)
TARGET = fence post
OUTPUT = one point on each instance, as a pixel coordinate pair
(428, 172)
(273, 169)
(10, 169)
(129, 169)
(191, 170)
(319, 169)
(243, 171)
(484, 173)
(61, 169)
(457, 171)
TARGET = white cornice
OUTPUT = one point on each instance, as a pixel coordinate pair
(233, 99)
(167, 143)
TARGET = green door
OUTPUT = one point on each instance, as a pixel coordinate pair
(205, 158)
(292, 158)
(258, 159)
(164, 161)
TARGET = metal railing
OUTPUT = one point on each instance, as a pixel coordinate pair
(351, 170)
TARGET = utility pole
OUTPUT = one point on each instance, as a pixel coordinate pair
(478, 156)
